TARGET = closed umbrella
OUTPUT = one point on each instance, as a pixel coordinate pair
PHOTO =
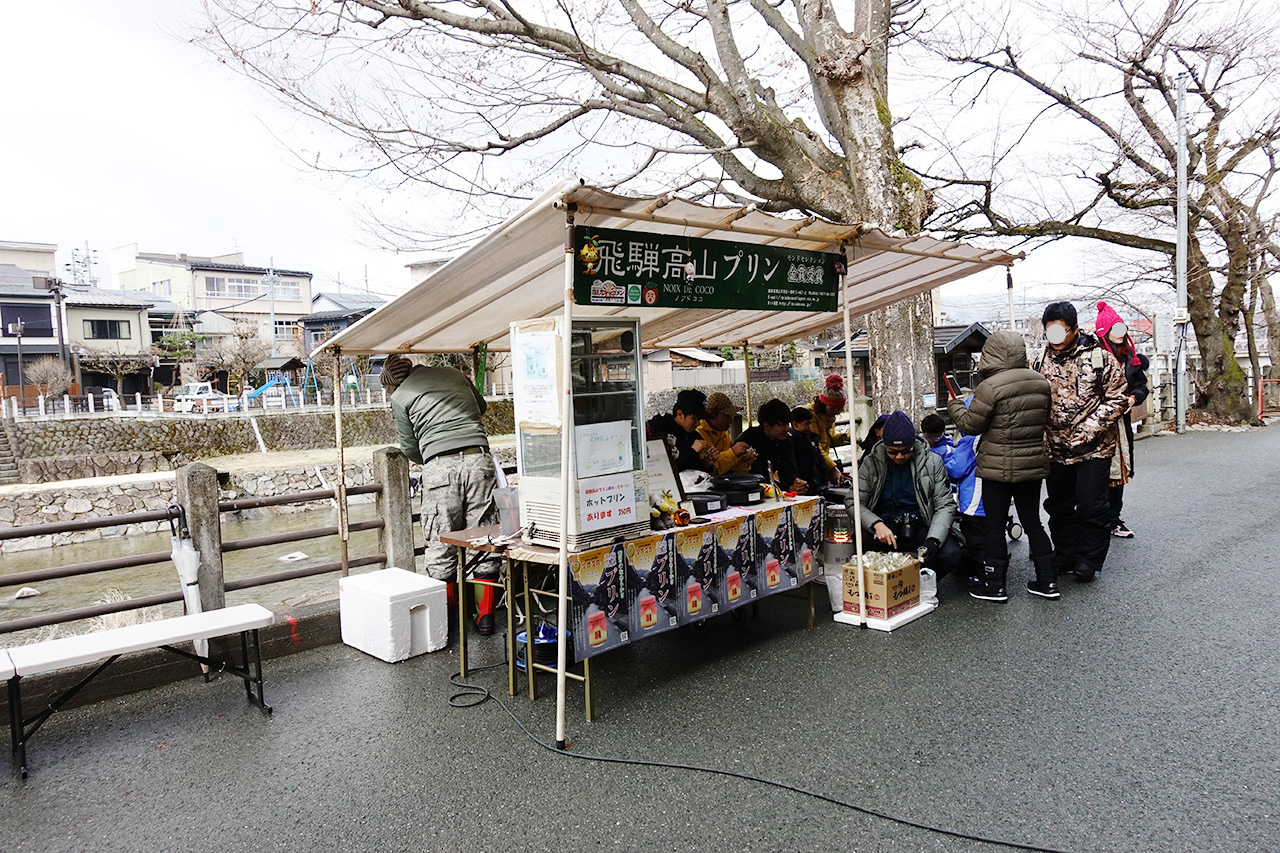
(187, 560)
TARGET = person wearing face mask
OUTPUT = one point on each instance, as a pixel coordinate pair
(1087, 392)
(1114, 335)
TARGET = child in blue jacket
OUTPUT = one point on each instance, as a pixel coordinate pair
(961, 461)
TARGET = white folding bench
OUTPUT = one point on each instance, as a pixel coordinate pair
(51, 655)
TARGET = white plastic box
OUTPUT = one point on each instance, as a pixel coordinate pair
(393, 614)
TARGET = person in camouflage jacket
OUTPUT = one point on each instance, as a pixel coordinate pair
(1087, 389)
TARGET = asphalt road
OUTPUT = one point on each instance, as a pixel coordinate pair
(1138, 713)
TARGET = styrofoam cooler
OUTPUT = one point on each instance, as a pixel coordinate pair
(393, 614)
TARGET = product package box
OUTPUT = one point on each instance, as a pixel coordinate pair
(699, 573)
(598, 590)
(889, 592)
(807, 516)
(775, 550)
(653, 585)
(735, 540)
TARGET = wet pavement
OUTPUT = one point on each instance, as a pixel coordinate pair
(1139, 712)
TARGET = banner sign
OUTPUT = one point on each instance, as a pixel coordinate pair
(670, 271)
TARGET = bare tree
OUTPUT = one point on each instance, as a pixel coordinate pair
(50, 374)
(116, 364)
(1103, 90)
(777, 103)
(238, 353)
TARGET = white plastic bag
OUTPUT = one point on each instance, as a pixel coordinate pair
(928, 587)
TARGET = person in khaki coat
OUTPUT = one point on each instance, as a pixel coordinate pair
(1010, 410)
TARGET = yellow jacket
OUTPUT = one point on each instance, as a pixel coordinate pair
(718, 454)
(825, 428)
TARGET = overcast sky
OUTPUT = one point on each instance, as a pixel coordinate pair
(119, 131)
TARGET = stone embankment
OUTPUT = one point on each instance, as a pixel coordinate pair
(71, 500)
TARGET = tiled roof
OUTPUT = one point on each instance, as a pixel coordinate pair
(100, 298)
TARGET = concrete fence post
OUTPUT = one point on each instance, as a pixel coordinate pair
(196, 486)
(861, 416)
(395, 507)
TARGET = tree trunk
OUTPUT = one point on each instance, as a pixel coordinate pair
(1221, 386)
(901, 335)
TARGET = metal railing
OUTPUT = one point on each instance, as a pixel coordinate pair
(134, 560)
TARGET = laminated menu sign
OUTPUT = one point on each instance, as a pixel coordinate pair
(537, 398)
(608, 501)
(696, 566)
(613, 267)
(775, 549)
(735, 540)
(806, 516)
(653, 586)
(598, 590)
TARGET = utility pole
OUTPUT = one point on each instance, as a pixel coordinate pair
(1180, 321)
(16, 329)
(272, 276)
(54, 286)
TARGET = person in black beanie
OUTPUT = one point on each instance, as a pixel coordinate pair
(907, 504)
(1087, 399)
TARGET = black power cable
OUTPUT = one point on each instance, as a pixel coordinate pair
(473, 695)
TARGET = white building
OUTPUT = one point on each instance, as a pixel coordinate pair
(222, 290)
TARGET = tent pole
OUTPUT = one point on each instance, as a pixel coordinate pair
(746, 360)
(344, 530)
(566, 449)
(857, 495)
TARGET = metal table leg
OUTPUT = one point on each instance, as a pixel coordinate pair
(462, 612)
(507, 587)
(528, 636)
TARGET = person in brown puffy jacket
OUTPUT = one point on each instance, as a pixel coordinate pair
(1088, 388)
(1010, 410)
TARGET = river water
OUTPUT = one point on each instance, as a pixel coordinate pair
(140, 581)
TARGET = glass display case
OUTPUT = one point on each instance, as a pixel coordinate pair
(606, 422)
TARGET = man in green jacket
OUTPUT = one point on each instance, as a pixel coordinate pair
(907, 504)
(437, 413)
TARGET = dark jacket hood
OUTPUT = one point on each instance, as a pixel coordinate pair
(1002, 351)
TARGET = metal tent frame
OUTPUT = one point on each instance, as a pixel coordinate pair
(523, 269)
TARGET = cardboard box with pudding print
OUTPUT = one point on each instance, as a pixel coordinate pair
(653, 586)
(701, 580)
(598, 591)
(775, 550)
(806, 516)
(735, 543)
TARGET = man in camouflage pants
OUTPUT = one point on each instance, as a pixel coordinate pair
(437, 413)
(1088, 397)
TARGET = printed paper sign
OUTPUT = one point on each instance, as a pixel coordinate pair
(603, 448)
(537, 399)
(606, 502)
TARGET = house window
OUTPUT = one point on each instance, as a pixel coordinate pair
(37, 320)
(106, 330)
(162, 288)
(230, 288)
(284, 330)
(315, 337)
(288, 290)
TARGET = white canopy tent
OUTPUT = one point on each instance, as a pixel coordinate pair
(517, 272)
(524, 270)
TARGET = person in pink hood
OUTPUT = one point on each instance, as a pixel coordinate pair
(1113, 334)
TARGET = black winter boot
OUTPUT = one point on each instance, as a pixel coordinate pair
(1046, 583)
(993, 580)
